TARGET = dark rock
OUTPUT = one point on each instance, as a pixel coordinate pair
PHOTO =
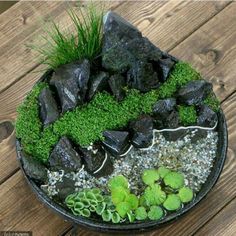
(48, 107)
(194, 92)
(98, 83)
(142, 132)
(117, 83)
(65, 187)
(33, 168)
(117, 31)
(143, 49)
(117, 59)
(165, 66)
(172, 121)
(142, 77)
(71, 81)
(206, 117)
(116, 142)
(97, 162)
(64, 157)
(163, 108)
(174, 135)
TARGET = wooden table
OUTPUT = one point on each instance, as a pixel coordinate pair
(202, 33)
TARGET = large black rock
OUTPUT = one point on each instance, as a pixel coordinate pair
(143, 49)
(116, 142)
(64, 157)
(48, 107)
(164, 67)
(164, 107)
(117, 59)
(97, 162)
(142, 132)
(174, 135)
(117, 31)
(172, 121)
(206, 117)
(98, 83)
(194, 92)
(142, 77)
(71, 81)
(33, 168)
(117, 83)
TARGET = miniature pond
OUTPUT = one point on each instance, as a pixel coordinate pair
(126, 135)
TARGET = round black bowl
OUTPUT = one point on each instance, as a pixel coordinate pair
(99, 225)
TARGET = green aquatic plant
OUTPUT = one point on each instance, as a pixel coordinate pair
(187, 115)
(118, 181)
(154, 195)
(172, 202)
(185, 194)
(59, 48)
(141, 213)
(155, 213)
(213, 102)
(162, 171)
(150, 176)
(174, 180)
(102, 113)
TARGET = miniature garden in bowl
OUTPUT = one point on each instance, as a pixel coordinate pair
(118, 135)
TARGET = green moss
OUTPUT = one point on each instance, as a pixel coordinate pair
(85, 124)
(181, 75)
(187, 115)
(212, 102)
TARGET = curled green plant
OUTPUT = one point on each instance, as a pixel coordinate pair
(187, 115)
(84, 202)
(60, 48)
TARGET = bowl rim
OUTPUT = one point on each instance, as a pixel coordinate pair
(98, 225)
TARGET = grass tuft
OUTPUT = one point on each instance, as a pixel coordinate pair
(187, 115)
(60, 48)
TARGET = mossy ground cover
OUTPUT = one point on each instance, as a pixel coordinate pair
(86, 123)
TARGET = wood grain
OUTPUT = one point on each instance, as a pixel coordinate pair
(20, 210)
(16, 59)
(223, 224)
(212, 50)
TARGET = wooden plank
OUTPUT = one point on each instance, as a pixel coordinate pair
(21, 210)
(211, 49)
(16, 59)
(224, 223)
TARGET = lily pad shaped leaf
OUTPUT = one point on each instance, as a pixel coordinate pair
(185, 194)
(172, 203)
(174, 180)
(149, 177)
(155, 213)
(141, 213)
(118, 181)
(162, 171)
(133, 201)
(123, 208)
(119, 194)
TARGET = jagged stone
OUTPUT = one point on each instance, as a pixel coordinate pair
(97, 162)
(64, 156)
(194, 92)
(116, 142)
(33, 168)
(165, 66)
(48, 107)
(142, 77)
(98, 83)
(117, 83)
(206, 117)
(142, 132)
